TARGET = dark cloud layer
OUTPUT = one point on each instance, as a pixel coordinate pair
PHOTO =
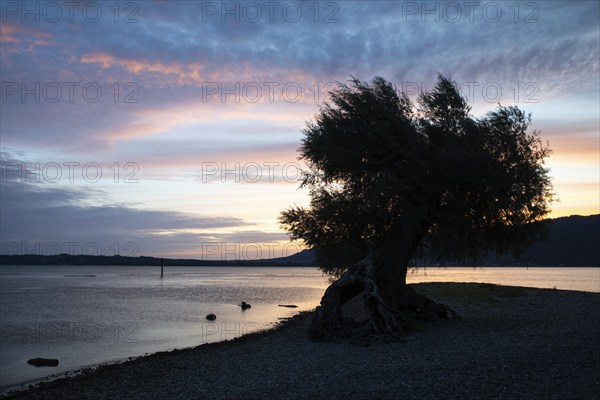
(37, 218)
(176, 48)
(172, 51)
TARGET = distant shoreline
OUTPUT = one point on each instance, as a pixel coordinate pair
(571, 242)
(511, 342)
(82, 260)
(117, 260)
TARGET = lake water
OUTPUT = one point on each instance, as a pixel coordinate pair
(86, 315)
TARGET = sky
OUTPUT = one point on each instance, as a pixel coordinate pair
(171, 128)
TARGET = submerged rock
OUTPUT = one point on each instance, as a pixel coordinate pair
(43, 362)
(211, 317)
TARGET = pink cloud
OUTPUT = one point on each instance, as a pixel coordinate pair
(183, 73)
(23, 38)
(153, 121)
(200, 73)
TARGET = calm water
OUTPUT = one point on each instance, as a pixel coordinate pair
(95, 314)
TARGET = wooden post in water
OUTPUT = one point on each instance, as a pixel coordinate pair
(162, 264)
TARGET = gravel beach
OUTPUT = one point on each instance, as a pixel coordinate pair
(510, 343)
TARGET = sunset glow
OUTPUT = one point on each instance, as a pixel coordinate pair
(176, 129)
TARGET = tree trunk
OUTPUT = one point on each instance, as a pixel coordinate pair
(392, 306)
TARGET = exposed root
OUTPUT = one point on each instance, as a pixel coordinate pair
(384, 320)
(329, 322)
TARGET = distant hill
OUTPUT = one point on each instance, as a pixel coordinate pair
(304, 257)
(68, 259)
(297, 260)
(571, 242)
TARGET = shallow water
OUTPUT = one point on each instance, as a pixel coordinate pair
(93, 314)
(582, 279)
(86, 315)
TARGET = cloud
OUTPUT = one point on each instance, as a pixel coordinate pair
(50, 221)
(67, 209)
(184, 41)
(183, 74)
(38, 216)
(185, 60)
(16, 37)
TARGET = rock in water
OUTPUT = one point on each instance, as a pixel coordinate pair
(43, 362)
(288, 305)
(245, 305)
(211, 317)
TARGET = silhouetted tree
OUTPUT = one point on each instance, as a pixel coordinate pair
(389, 180)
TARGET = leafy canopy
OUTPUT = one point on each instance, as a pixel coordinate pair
(374, 158)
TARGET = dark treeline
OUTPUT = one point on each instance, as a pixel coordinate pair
(571, 242)
(67, 259)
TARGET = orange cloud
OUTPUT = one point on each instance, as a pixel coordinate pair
(276, 84)
(155, 121)
(184, 74)
(19, 34)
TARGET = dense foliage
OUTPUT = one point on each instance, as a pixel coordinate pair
(376, 161)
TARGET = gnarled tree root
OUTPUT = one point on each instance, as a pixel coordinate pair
(384, 319)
